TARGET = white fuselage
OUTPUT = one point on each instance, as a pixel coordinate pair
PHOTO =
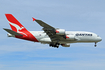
(79, 36)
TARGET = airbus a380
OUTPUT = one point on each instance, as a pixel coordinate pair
(50, 35)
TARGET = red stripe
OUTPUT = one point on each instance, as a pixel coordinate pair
(29, 37)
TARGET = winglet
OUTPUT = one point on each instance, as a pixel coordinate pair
(33, 19)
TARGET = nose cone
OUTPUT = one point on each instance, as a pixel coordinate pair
(99, 39)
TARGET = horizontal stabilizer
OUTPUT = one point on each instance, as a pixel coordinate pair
(12, 32)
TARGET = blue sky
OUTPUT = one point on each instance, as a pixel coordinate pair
(72, 15)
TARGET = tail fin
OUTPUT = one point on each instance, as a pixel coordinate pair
(15, 24)
(18, 30)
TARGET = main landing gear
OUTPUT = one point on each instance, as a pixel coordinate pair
(54, 45)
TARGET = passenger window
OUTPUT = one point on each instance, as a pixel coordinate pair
(91, 34)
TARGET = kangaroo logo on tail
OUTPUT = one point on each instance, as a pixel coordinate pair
(15, 23)
(16, 26)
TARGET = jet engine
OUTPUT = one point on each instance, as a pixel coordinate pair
(60, 31)
(70, 37)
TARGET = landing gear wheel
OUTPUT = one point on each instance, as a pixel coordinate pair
(57, 45)
(54, 45)
(95, 44)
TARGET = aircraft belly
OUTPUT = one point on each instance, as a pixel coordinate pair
(85, 39)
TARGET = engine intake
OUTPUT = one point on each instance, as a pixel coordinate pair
(60, 31)
(70, 37)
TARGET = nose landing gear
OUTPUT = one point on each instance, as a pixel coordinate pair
(95, 44)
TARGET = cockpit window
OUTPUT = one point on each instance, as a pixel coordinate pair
(97, 35)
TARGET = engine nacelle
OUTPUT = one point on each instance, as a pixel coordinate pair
(60, 31)
(66, 45)
(70, 37)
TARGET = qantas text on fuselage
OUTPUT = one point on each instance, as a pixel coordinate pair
(50, 35)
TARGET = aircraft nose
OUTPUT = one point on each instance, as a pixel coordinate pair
(99, 39)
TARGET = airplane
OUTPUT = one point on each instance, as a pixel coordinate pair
(50, 35)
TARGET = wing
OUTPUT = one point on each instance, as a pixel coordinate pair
(43, 24)
(50, 31)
